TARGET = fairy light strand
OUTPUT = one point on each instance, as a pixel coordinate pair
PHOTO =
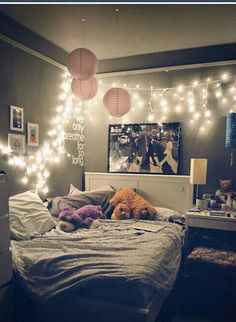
(36, 165)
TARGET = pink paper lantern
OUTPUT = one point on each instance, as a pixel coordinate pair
(84, 89)
(82, 63)
(117, 101)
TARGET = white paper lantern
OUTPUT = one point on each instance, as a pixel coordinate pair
(82, 63)
(117, 101)
(84, 89)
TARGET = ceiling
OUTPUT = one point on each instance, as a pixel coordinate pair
(112, 31)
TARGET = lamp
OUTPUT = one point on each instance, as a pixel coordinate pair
(230, 137)
(198, 172)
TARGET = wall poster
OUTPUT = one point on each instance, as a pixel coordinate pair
(144, 148)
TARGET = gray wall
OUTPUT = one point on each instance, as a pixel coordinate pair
(209, 144)
(34, 85)
(29, 82)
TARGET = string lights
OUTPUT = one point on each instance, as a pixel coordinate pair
(36, 165)
(192, 99)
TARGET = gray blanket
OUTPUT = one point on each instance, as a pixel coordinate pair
(58, 262)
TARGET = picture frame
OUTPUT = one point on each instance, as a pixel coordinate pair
(16, 142)
(16, 118)
(32, 134)
(150, 148)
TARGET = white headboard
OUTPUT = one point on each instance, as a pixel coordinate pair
(160, 190)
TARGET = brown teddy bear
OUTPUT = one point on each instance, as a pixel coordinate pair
(225, 194)
(128, 204)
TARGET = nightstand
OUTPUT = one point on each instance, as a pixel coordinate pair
(6, 289)
(209, 230)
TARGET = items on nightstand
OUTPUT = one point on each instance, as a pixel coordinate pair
(225, 195)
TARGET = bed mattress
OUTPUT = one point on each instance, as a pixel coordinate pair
(115, 262)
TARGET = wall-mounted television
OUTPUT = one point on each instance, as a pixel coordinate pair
(144, 148)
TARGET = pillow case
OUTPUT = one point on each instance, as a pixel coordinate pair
(167, 213)
(93, 197)
(28, 216)
(74, 191)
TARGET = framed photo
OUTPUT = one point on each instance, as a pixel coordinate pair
(32, 134)
(16, 118)
(144, 148)
(16, 143)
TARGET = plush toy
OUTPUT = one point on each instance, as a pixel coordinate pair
(225, 194)
(85, 217)
(128, 204)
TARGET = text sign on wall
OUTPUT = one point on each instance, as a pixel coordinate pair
(77, 135)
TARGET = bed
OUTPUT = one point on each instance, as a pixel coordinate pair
(114, 273)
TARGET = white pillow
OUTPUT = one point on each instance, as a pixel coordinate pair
(28, 216)
(75, 191)
(166, 213)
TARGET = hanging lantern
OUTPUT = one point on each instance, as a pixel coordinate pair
(84, 89)
(117, 101)
(82, 63)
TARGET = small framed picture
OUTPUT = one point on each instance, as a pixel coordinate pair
(16, 143)
(32, 134)
(16, 118)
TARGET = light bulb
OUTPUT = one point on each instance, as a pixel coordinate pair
(56, 159)
(25, 180)
(195, 83)
(191, 108)
(196, 116)
(59, 108)
(218, 94)
(11, 161)
(207, 113)
(62, 96)
(45, 190)
(178, 108)
(190, 101)
(150, 117)
(225, 76)
(180, 88)
(163, 102)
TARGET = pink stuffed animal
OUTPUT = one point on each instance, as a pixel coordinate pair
(85, 217)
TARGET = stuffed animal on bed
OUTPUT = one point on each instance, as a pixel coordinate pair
(128, 203)
(85, 217)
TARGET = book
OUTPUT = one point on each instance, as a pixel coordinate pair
(147, 226)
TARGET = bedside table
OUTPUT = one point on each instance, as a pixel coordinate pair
(208, 229)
